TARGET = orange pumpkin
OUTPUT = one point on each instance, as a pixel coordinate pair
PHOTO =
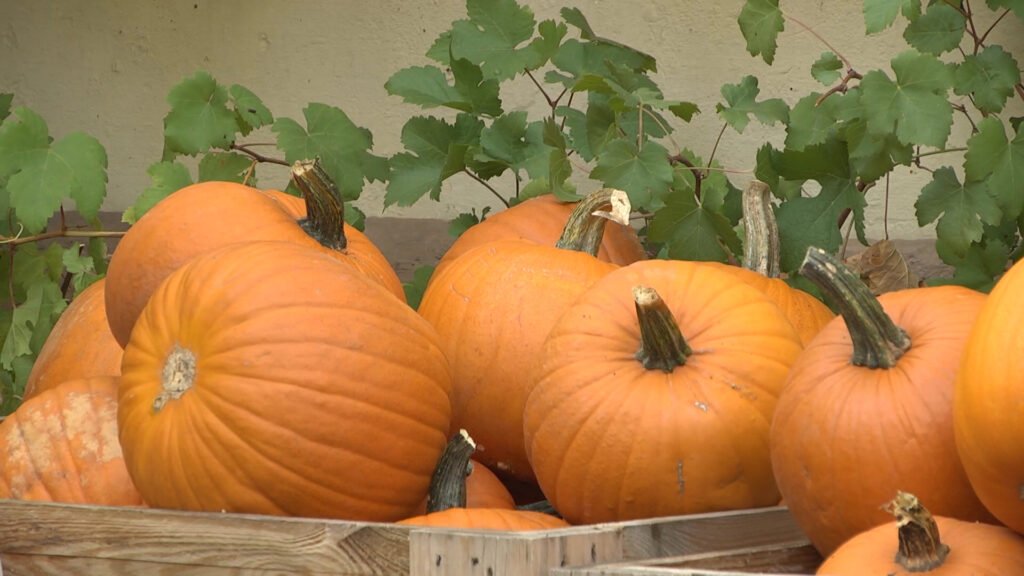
(492, 308)
(272, 378)
(988, 405)
(61, 446)
(918, 543)
(649, 407)
(867, 408)
(79, 346)
(208, 215)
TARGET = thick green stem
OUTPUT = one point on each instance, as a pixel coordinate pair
(877, 341)
(921, 549)
(448, 484)
(325, 209)
(662, 346)
(761, 247)
(584, 230)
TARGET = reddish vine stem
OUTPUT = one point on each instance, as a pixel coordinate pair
(863, 188)
(846, 62)
(993, 25)
(244, 149)
(714, 148)
(483, 183)
(842, 87)
(698, 175)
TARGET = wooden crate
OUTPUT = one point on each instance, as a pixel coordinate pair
(40, 538)
(793, 558)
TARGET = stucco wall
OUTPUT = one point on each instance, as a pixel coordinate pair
(105, 66)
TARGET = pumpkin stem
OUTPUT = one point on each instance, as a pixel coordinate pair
(662, 346)
(761, 247)
(921, 549)
(584, 230)
(448, 484)
(177, 377)
(325, 209)
(877, 341)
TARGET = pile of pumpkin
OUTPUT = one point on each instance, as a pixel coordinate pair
(250, 352)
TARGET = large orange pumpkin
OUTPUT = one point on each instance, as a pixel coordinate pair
(61, 446)
(208, 215)
(868, 407)
(79, 346)
(989, 402)
(272, 378)
(492, 308)
(654, 395)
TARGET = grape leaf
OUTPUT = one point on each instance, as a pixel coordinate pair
(22, 138)
(742, 102)
(766, 172)
(415, 288)
(940, 29)
(434, 154)
(543, 47)
(959, 208)
(75, 166)
(465, 221)
(97, 250)
(559, 168)
(811, 123)
(199, 118)
(343, 147)
(990, 156)
(81, 267)
(225, 167)
(989, 76)
(826, 68)
(492, 35)
(880, 14)
(355, 217)
(689, 230)
(516, 144)
(915, 105)
(1017, 6)
(37, 314)
(627, 56)
(760, 22)
(32, 262)
(165, 179)
(5, 105)
(250, 111)
(580, 59)
(979, 268)
(645, 175)
(873, 155)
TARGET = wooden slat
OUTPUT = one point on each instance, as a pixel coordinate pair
(784, 558)
(29, 565)
(202, 539)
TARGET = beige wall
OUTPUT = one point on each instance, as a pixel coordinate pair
(105, 66)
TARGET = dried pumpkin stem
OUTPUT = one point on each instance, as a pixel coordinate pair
(584, 230)
(662, 346)
(877, 341)
(448, 484)
(921, 549)
(761, 247)
(325, 209)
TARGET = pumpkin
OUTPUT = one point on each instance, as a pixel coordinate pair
(654, 395)
(208, 215)
(61, 446)
(918, 543)
(272, 378)
(761, 266)
(79, 346)
(447, 501)
(867, 408)
(541, 220)
(493, 307)
(988, 405)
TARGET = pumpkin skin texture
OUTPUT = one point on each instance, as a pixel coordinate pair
(61, 446)
(988, 405)
(540, 220)
(79, 346)
(485, 490)
(272, 378)
(611, 440)
(847, 437)
(488, 519)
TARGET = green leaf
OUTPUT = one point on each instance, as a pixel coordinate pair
(544, 47)
(492, 35)
(434, 154)
(580, 59)
(766, 172)
(427, 87)
(940, 29)
(574, 17)
(826, 68)
(979, 268)
(343, 147)
(685, 111)
(645, 175)
(915, 105)
(873, 155)
(81, 267)
(880, 14)
(991, 157)
(810, 123)
(989, 77)
(414, 289)
(97, 250)
(355, 217)
(1017, 6)
(761, 21)
(742, 102)
(250, 111)
(199, 118)
(225, 167)
(75, 166)
(23, 139)
(5, 105)
(165, 179)
(1016, 122)
(960, 209)
(693, 230)
(42, 305)
(461, 223)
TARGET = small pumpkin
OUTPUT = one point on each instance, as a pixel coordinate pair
(61, 446)
(272, 378)
(79, 346)
(868, 407)
(654, 395)
(918, 543)
(988, 405)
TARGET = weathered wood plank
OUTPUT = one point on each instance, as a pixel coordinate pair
(222, 540)
(29, 565)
